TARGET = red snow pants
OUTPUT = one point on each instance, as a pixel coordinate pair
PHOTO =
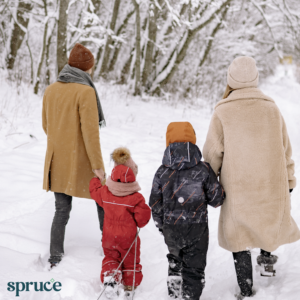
(116, 241)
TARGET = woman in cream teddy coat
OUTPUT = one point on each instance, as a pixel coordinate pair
(248, 146)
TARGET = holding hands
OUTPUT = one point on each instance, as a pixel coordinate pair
(100, 174)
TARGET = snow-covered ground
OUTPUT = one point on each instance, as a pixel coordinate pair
(26, 211)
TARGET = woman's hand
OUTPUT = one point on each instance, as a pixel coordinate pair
(100, 174)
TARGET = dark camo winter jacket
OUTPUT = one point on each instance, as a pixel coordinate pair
(183, 186)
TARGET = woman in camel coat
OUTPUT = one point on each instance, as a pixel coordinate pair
(248, 146)
(71, 117)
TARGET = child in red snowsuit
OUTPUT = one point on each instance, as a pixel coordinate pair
(124, 211)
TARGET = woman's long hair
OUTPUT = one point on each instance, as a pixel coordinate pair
(227, 92)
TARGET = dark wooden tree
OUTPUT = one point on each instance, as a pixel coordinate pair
(44, 48)
(137, 86)
(118, 45)
(152, 29)
(107, 49)
(19, 31)
(96, 4)
(61, 49)
(180, 54)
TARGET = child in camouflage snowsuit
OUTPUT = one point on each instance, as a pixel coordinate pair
(182, 188)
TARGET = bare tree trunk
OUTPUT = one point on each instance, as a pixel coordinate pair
(213, 34)
(61, 49)
(152, 29)
(31, 61)
(107, 49)
(181, 53)
(38, 74)
(119, 44)
(126, 69)
(48, 74)
(18, 33)
(96, 4)
(170, 29)
(137, 87)
(207, 49)
(77, 26)
(3, 24)
(97, 61)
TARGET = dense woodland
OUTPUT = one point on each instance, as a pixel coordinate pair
(155, 47)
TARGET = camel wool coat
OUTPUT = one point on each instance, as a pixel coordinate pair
(248, 146)
(71, 122)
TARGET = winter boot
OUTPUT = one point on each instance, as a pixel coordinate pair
(111, 287)
(53, 264)
(266, 264)
(240, 296)
(129, 293)
(174, 286)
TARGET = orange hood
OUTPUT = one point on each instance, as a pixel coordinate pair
(180, 132)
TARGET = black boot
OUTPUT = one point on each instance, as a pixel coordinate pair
(243, 267)
(53, 264)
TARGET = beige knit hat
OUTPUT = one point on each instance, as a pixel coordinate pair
(122, 156)
(242, 73)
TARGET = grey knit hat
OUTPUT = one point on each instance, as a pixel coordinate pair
(242, 73)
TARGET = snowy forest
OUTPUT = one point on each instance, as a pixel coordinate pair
(154, 47)
(157, 62)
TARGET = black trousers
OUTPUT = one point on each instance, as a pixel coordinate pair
(188, 245)
(63, 206)
(244, 273)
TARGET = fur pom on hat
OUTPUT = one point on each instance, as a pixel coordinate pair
(122, 156)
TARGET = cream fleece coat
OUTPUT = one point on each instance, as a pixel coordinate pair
(248, 146)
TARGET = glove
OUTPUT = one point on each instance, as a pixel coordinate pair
(291, 190)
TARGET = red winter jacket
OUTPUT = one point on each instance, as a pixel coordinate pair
(129, 211)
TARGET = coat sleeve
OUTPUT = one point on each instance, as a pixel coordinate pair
(44, 114)
(89, 121)
(96, 190)
(142, 212)
(213, 149)
(214, 191)
(290, 165)
(156, 202)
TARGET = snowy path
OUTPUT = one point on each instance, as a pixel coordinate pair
(26, 210)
